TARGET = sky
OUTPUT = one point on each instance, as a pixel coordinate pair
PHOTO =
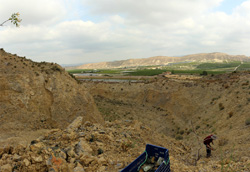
(89, 31)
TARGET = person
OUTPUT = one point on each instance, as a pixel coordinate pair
(209, 139)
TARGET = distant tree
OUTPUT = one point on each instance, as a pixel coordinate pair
(204, 73)
(14, 19)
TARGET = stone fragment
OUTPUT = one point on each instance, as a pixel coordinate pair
(26, 162)
(102, 161)
(62, 154)
(16, 157)
(37, 147)
(6, 168)
(78, 168)
(83, 147)
(70, 152)
(75, 124)
(86, 159)
(147, 167)
(101, 169)
(36, 159)
(88, 124)
(159, 161)
(102, 132)
(81, 134)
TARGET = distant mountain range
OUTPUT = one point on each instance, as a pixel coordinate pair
(165, 60)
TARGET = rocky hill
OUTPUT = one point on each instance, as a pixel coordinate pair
(186, 109)
(36, 96)
(164, 60)
(50, 122)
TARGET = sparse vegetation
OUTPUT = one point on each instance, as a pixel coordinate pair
(223, 141)
(179, 137)
(204, 73)
(181, 132)
(13, 19)
(230, 114)
(247, 122)
(156, 109)
(218, 65)
(99, 151)
(221, 106)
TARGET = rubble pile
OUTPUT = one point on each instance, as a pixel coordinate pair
(87, 147)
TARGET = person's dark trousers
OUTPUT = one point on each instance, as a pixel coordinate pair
(208, 151)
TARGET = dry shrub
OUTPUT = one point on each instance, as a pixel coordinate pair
(221, 106)
(230, 114)
(247, 122)
(126, 145)
(223, 141)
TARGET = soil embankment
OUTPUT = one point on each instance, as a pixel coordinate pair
(39, 96)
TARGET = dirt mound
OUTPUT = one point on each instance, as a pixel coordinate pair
(39, 96)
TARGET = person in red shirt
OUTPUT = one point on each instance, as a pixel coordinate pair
(209, 139)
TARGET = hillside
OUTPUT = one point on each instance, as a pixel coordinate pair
(164, 60)
(51, 122)
(177, 107)
(39, 96)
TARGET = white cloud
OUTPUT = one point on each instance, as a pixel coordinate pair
(34, 11)
(147, 11)
(243, 10)
(64, 31)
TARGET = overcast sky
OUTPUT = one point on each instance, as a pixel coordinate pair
(84, 31)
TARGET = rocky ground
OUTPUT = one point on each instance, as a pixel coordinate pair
(93, 147)
(187, 109)
(50, 122)
(39, 96)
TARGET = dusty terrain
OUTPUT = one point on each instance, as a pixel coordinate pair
(39, 96)
(179, 107)
(50, 122)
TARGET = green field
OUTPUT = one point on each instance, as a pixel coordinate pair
(218, 65)
(244, 66)
(192, 68)
(146, 72)
(111, 71)
(153, 72)
(80, 71)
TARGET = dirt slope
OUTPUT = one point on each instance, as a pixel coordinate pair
(218, 104)
(39, 100)
(39, 96)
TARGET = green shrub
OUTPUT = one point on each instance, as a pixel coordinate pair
(204, 73)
